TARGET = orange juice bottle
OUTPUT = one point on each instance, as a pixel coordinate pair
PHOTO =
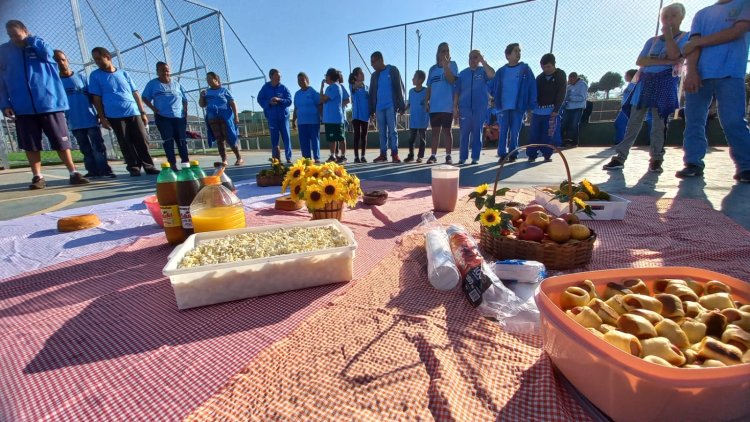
(216, 208)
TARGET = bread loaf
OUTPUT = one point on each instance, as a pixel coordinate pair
(77, 222)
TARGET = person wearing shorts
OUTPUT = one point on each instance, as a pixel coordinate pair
(32, 92)
(440, 101)
(334, 99)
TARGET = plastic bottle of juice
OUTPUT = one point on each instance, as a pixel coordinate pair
(225, 180)
(195, 166)
(216, 208)
(166, 195)
(187, 188)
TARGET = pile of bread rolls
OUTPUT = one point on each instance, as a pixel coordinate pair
(678, 323)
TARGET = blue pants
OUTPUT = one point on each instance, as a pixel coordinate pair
(510, 122)
(570, 123)
(94, 152)
(471, 123)
(280, 125)
(309, 140)
(539, 134)
(173, 131)
(730, 98)
(386, 119)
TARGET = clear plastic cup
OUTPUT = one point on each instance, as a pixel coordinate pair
(445, 187)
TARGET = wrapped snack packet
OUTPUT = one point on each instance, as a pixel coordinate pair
(520, 270)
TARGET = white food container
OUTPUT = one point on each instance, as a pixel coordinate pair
(614, 209)
(210, 284)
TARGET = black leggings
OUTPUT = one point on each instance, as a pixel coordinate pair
(360, 135)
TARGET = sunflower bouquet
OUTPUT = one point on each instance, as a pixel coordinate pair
(319, 185)
(492, 215)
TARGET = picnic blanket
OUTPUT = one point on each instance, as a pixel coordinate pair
(392, 347)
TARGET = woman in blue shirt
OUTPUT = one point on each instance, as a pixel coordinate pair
(306, 118)
(360, 112)
(439, 100)
(222, 117)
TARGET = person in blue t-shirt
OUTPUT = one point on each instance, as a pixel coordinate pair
(656, 90)
(221, 117)
(716, 64)
(167, 99)
(275, 100)
(440, 104)
(306, 118)
(575, 103)
(514, 91)
(334, 99)
(386, 99)
(120, 108)
(82, 120)
(418, 117)
(621, 121)
(31, 91)
(472, 96)
(360, 113)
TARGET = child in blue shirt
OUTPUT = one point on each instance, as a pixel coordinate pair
(418, 118)
(334, 99)
(360, 112)
(222, 117)
(472, 97)
(440, 80)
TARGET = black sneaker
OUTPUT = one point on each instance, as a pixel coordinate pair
(654, 166)
(448, 159)
(512, 158)
(77, 179)
(461, 162)
(331, 159)
(690, 170)
(356, 160)
(547, 159)
(409, 158)
(151, 170)
(363, 159)
(37, 182)
(743, 176)
(431, 160)
(531, 159)
(614, 164)
(474, 161)
(341, 160)
(136, 172)
(419, 159)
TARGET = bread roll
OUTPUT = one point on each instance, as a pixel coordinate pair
(672, 331)
(737, 317)
(715, 322)
(628, 343)
(614, 289)
(574, 296)
(720, 301)
(636, 325)
(660, 285)
(693, 309)
(695, 330)
(615, 302)
(671, 306)
(736, 337)
(636, 301)
(588, 285)
(651, 316)
(695, 286)
(725, 353)
(663, 348)
(586, 317)
(636, 285)
(715, 286)
(657, 360)
(77, 222)
(605, 312)
(685, 293)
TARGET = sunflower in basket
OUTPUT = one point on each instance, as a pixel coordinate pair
(321, 184)
(277, 168)
(491, 214)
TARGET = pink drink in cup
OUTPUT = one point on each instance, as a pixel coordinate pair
(444, 187)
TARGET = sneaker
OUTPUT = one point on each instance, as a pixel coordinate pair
(342, 159)
(409, 158)
(448, 159)
(380, 159)
(77, 179)
(395, 159)
(614, 164)
(363, 159)
(654, 166)
(474, 161)
(151, 170)
(356, 160)
(532, 159)
(134, 172)
(316, 161)
(331, 159)
(110, 176)
(743, 176)
(461, 162)
(419, 159)
(287, 161)
(90, 176)
(37, 182)
(240, 162)
(512, 158)
(547, 159)
(690, 170)
(431, 160)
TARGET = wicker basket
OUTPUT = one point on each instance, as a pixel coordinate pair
(375, 198)
(554, 256)
(272, 180)
(331, 210)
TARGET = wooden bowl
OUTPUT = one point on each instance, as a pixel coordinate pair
(376, 197)
(286, 203)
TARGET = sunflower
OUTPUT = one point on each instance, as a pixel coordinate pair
(314, 171)
(296, 171)
(580, 203)
(314, 196)
(296, 189)
(332, 189)
(481, 190)
(490, 217)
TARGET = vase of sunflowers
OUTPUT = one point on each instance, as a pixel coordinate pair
(272, 176)
(324, 188)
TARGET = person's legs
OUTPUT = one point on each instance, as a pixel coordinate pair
(305, 138)
(695, 143)
(126, 146)
(136, 132)
(274, 131)
(553, 137)
(84, 144)
(392, 133)
(356, 138)
(284, 130)
(363, 137)
(382, 121)
(315, 141)
(515, 122)
(422, 143)
(448, 138)
(631, 133)
(99, 150)
(537, 134)
(218, 129)
(435, 143)
(412, 138)
(465, 125)
(476, 134)
(504, 133)
(656, 150)
(566, 124)
(180, 134)
(35, 162)
(574, 124)
(730, 98)
(167, 133)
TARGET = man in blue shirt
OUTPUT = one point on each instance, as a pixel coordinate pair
(167, 99)
(120, 108)
(275, 100)
(386, 99)
(31, 91)
(472, 97)
(575, 102)
(716, 62)
(82, 120)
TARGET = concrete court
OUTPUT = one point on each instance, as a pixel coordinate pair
(717, 186)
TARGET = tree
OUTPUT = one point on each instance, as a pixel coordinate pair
(594, 88)
(610, 81)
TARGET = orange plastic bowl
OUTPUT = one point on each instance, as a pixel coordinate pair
(153, 208)
(626, 387)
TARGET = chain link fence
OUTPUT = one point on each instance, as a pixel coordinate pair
(192, 38)
(587, 37)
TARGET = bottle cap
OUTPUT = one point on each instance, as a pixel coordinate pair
(195, 163)
(212, 180)
(165, 165)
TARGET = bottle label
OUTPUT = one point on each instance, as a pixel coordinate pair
(187, 221)
(170, 215)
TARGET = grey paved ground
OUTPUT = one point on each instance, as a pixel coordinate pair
(717, 187)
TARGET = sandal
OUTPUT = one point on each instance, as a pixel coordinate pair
(239, 162)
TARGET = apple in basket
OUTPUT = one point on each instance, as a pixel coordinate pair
(539, 219)
(532, 208)
(530, 232)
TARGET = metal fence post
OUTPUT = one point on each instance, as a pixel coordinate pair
(162, 32)
(554, 29)
(78, 22)
(471, 40)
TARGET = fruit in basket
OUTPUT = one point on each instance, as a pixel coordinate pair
(514, 212)
(538, 218)
(530, 232)
(559, 230)
(579, 232)
(532, 208)
(570, 218)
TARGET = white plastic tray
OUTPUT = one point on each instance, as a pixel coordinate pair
(210, 284)
(614, 209)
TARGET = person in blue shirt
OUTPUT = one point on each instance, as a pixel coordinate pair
(306, 118)
(221, 117)
(334, 99)
(440, 101)
(167, 99)
(418, 117)
(31, 91)
(656, 89)
(386, 99)
(514, 91)
(360, 113)
(120, 108)
(472, 97)
(82, 120)
(575, 103)
(275, 100)
(621, 121)
(716, 63)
